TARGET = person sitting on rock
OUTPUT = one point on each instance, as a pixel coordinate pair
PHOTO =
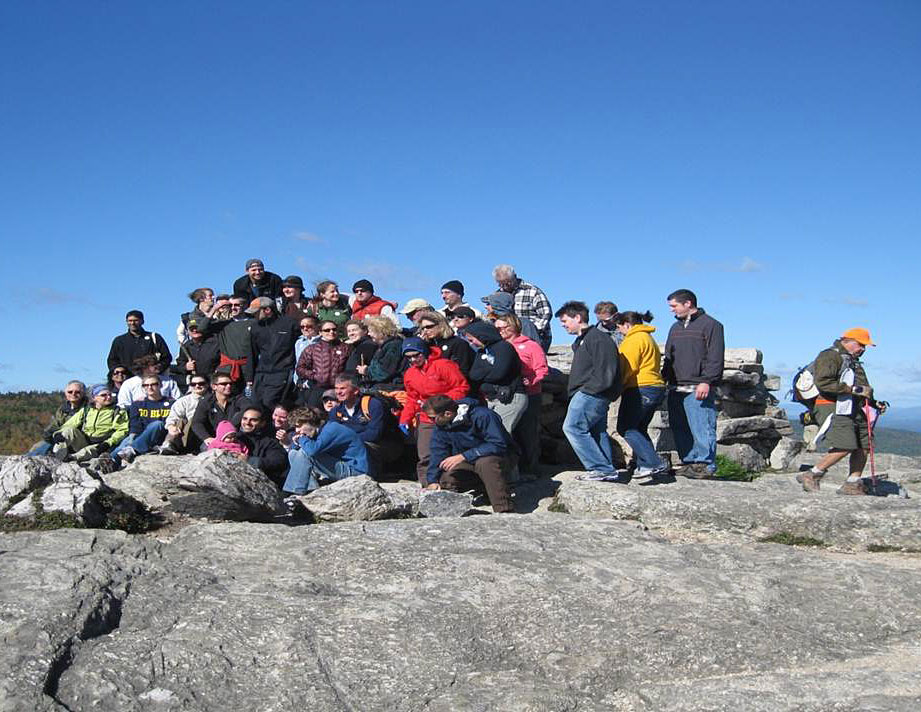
(257, 283)
(92, 430)
(329, 401)
(324, 449)
(368, 416)
(133, 388)
(265, 452)
(227, 438)
(452, 294)
(74, 400)
(469, 448)
(845, 409)
(429, 374)
(386, 364)
(146, 422)
(220, 404)
(366, 303)
(179, 436)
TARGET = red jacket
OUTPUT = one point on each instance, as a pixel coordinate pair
(372, 307)
(322, 361)
(437, 377)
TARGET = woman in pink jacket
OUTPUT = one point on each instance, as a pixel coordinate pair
(533, 370)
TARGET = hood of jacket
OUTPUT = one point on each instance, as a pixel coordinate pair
(640, 329)
(484, 331)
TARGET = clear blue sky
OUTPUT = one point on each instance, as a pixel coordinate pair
(765, 154)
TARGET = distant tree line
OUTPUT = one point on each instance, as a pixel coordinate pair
(23, 416)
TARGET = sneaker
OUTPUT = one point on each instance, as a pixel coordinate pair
(621, 477)
(696, 471)
(292, 503)
(167, 449)
(59, 451)
(853, 488)
(651, 471)
(128, 454)
(595, 476)
(810, 481)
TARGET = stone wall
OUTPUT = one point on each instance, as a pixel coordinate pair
(750, 429)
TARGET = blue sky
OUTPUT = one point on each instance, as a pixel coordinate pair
(765, 155)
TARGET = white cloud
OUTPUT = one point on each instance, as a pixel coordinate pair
(305, 236)
(744, 265)
(750, 265)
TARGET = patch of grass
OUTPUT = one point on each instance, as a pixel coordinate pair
(126, 514)
(886, 548)
(789, 539)
(727, 469)
(556, 506)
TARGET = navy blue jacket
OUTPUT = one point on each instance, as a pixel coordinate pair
(476, 432)
(371, 427)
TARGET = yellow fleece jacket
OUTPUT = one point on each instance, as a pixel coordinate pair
(640, 358)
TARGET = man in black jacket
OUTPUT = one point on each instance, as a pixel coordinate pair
(216, 406)
(693, 368)
(137, 342)
(257, 283)
(270, 363)
(198, 356)
(265, 452)
(594, 381)
(496, 373)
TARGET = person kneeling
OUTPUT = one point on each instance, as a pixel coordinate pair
(469, 442)
(322, 449)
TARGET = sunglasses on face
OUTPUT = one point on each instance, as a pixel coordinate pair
(151, 385)
(73, 393)
(221, 385)
(326, 331)
(197, 384)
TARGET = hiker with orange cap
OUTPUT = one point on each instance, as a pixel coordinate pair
(843, 394)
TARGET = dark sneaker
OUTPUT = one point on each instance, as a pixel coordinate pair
(621, 477)
(810, 481)
(696, 471)
(853, 488)
(128, 454)
(168, 449)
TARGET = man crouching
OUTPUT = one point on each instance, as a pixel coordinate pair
(469, 442)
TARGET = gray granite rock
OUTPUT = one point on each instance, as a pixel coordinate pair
(534, 613)
(350, 500)
(743, 454)
(72, 491)
(212, 485)
(771, 505)
(784, 452)
(20, 474)
(404, 496)
(443, 503)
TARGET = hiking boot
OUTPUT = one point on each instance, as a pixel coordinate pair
(696, 471)
(810, 481)
(853, 488)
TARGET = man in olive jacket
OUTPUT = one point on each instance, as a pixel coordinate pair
(844, 408)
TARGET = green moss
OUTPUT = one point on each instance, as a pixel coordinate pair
(884, 548)
(557, 506)
(727, 469)
(792, 540)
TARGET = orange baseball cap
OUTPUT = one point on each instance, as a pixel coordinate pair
(860, 335)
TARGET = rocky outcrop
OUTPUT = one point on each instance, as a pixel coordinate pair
(482, 613)
(349, 500)
(213, 485)
(20, 474)
(771, 506)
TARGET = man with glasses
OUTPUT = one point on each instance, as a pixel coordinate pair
(137, 342)
(74, 399)
(232, 339)
(179, 435)
(530, 302)
(270, 363)
(366, 303)
(133, 389)
(147, 423)
(220, 404)
(92, 430)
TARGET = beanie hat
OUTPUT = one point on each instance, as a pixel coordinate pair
(293, 281)
(413, 343)
(254, 261)
(363, 284)
(455, 286)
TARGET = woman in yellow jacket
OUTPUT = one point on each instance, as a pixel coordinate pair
(644, 390)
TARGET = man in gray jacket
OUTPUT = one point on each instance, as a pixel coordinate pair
(693, 367)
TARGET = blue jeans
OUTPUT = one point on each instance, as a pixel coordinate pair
(585, 427)
(693, 423)
(306, 469)
(637, 406)
(144, 441)
(42, 448)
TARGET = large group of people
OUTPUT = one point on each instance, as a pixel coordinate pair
(314, 388)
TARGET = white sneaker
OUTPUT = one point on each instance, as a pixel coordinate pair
(650, 471)
(595, 476)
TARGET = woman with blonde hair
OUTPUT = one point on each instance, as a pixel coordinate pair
(385, 366)
(434, 330)
(644, 389)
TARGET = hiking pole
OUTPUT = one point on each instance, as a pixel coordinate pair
(866, 412)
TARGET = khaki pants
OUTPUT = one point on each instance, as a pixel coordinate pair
(490, 470)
